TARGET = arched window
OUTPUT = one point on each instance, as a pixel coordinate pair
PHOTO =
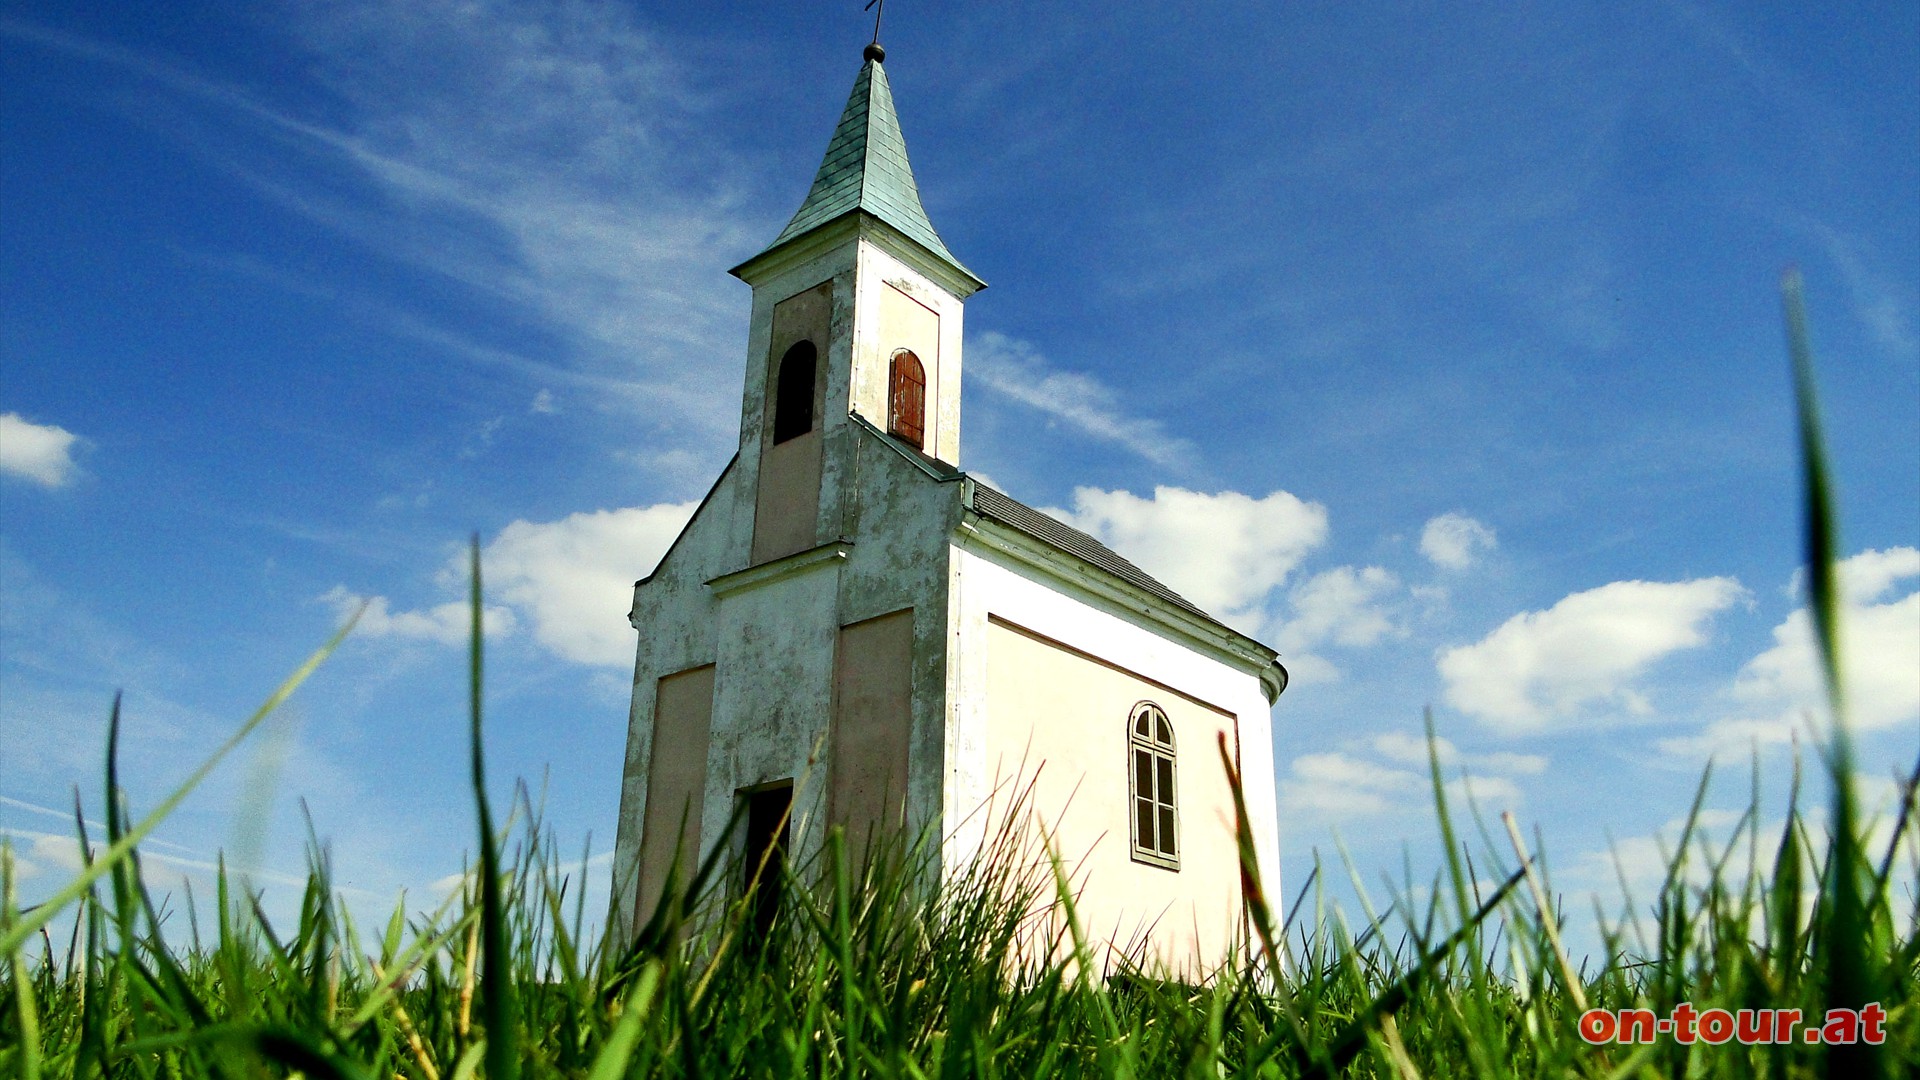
(1156, 818)
(907, 400)
(793, 393)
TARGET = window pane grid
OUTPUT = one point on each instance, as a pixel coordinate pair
(1151, 777)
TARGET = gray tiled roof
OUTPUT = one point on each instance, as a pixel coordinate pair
(1051, 531)
(1057, 534)
(866, 169)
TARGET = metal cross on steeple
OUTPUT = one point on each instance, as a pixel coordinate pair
(873, 51)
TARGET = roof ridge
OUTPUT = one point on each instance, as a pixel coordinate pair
(1043, 526)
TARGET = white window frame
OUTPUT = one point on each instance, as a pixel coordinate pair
(1161, 845)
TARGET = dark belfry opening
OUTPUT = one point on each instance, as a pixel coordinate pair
(907, 400)
(769, 818)
(793, 392)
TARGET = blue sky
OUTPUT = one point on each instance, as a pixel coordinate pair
(1441, 350)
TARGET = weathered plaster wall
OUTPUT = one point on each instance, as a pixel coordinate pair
(773, 691)
(786, 511)
(903, 517)
(787, 501)
(772, 636)
(814, 298)
(675, 613)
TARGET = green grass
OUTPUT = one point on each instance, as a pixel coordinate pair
(889, 972)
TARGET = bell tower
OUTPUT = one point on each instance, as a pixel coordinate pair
(856, 314)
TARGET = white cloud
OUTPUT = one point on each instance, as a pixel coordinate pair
(1543, 667)
(1224, 552)
(1390, 773)
(1640, 863)
(1343, 786)
(1453, 541)
(543, 403)
(1340, 606)
(1016, 369)
(1344, 606)
(449, 623)
(41, 453)
(573, 578)
(1870, 575)
(1487, 794)
(1737, 735)
(1779, 690)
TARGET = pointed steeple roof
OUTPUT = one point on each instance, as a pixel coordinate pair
(866, 168)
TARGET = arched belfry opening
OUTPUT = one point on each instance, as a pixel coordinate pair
(793, 392)
(907, 400)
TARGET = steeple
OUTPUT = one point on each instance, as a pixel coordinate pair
(856, 327)
(866, 170)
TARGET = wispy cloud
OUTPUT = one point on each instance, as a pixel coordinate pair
(569, 137)
(1014, 368)
(1878, 301)
(1390, 774)
(547, 156)
(1347, 606)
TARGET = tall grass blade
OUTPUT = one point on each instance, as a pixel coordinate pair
(1850, 976)
(612, 1062)
(26, 1010)
(496, 978)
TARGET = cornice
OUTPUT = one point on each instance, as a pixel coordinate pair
(787, 566)
(857, 224)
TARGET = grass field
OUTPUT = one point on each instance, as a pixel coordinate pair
(893, 973)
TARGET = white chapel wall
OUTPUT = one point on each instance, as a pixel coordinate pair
(1054, 684)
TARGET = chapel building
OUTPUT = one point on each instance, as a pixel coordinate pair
(852, 631)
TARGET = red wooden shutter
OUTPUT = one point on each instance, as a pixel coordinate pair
(907, 401)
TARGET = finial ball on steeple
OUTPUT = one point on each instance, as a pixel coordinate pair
(875, 53)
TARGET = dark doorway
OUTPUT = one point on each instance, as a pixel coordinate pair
(769, 815)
